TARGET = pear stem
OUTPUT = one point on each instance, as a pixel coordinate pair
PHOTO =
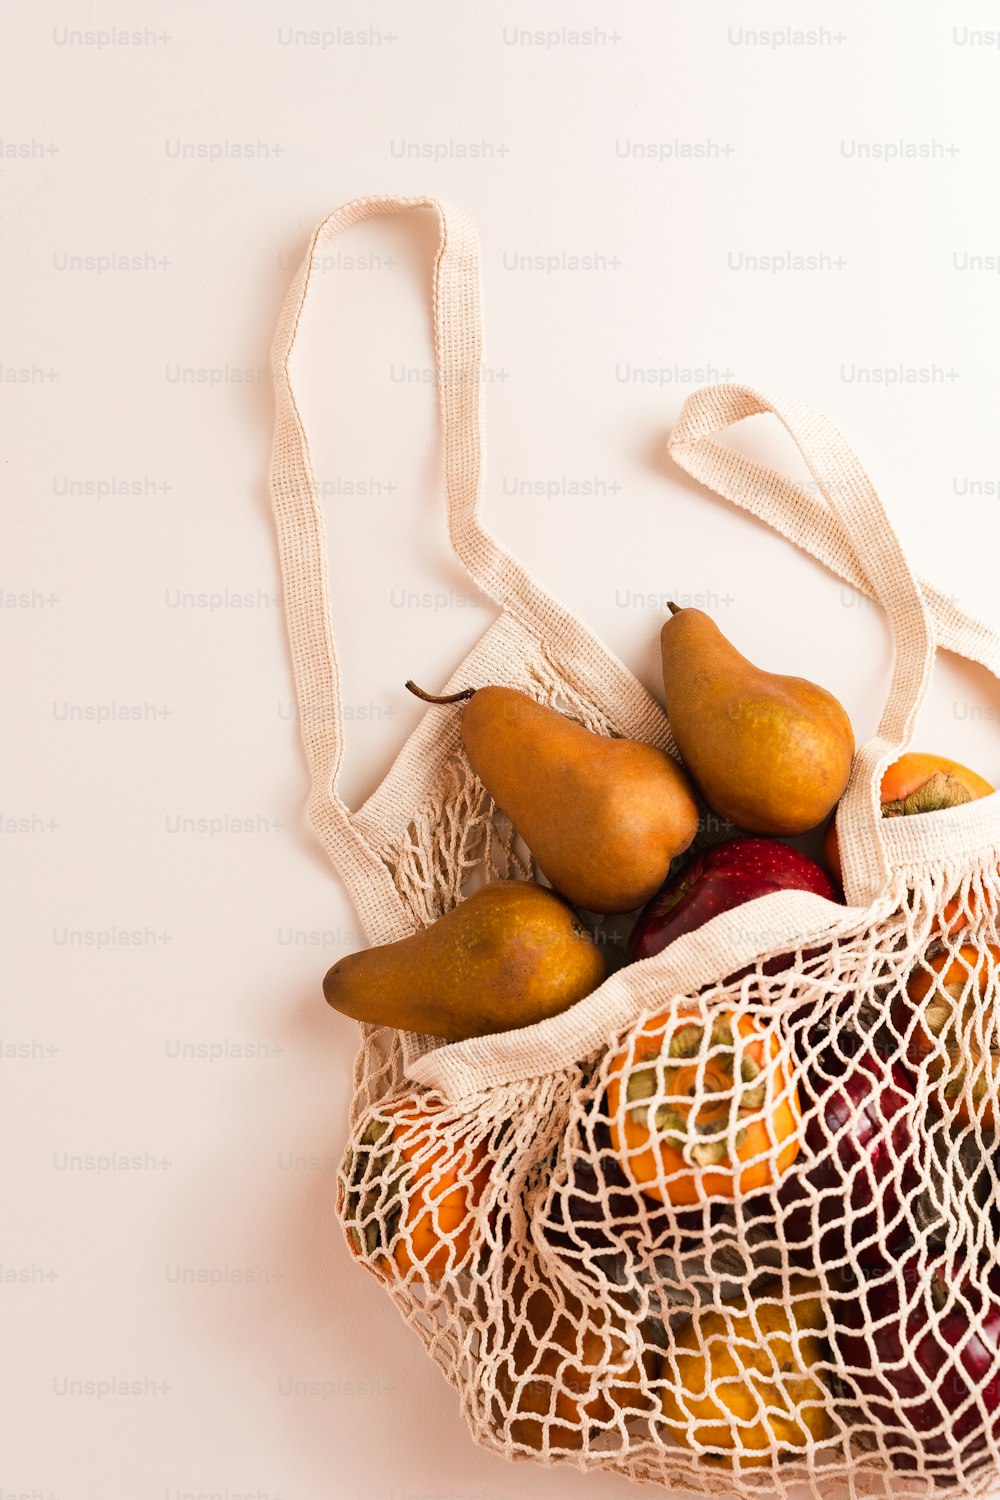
(674, 609)
(418, 692)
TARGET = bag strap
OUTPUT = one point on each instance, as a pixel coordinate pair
(302, 546)
(852, 525)
(806, 521)
(954, 630)
(301, 535)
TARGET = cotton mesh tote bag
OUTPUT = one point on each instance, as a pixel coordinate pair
(534, 1201)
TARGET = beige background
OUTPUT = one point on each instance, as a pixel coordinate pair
(188, 1320)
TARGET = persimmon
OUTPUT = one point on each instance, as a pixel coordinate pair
(747, 1383)
(567, 1371)
(918, 783)
(951, 1037)
(410, 1199)
(686, 1092)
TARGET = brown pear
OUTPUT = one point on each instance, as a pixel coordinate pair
(603, 817)
(771, 753)
(511, 954)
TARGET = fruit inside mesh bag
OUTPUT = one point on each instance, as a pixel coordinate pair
(918, 1344)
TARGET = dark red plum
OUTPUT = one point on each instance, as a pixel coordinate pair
(919, 1343)
(856, 1172)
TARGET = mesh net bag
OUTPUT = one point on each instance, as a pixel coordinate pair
(731, 1222)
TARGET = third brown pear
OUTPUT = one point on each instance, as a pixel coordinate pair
(771, 753)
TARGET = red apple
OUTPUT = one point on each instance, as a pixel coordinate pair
(856, 1172)
(716, 880)
(919, 1342)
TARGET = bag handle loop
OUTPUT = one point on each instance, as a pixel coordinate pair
(301, 538)
(852, 511)
(302, 547)
(805, 521)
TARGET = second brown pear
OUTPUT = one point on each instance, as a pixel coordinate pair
(603, 817)
(771, 753)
